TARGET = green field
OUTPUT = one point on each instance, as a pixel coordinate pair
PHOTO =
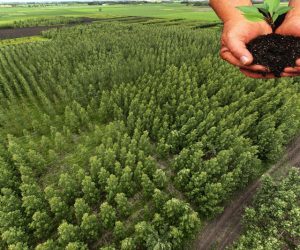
(162, 10)
(121, 136)
(131, 133)
(21, 40)
(10, 14)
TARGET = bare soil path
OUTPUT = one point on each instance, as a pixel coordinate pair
(223, 230)
(10, 33)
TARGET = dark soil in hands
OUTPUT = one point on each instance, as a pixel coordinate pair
(275, 52)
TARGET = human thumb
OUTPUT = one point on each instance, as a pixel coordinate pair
(239, 50)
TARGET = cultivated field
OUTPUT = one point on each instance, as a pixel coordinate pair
(226, 228)
(130, 133)
(174, 11)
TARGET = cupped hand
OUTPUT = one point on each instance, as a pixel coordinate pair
(236, 34)
(291, 26)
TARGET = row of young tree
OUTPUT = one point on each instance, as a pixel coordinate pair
(88, 119)
(273, 220)
(90, 200)
(220, 137)
(50, 21)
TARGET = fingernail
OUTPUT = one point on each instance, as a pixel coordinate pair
(244, 60)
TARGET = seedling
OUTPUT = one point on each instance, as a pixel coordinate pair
(269, 11)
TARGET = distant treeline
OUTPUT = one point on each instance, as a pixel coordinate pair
(187, 2)
(34, 4)
(123, 2)
(110, 2)
(206, 3)
(202, 3)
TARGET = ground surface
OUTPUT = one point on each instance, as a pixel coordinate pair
(223, 230)
(162, 10)
(21, 32)
(31, 31)
(10, 14)
(11, 33)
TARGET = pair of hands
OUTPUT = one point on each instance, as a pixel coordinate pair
(237, 34)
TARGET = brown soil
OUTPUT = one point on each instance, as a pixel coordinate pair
(21, 32)
(275, 51)
(225, 229)
(10, 33)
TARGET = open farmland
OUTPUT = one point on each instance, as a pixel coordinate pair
(129, 136)
(9, 15)
(163, 11)
(130, 133)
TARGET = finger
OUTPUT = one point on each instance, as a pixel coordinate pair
(256, 75)
(284, 74)
(239, 50)
(256, 67)
(298, 62)
(292, 70)
(228, 56)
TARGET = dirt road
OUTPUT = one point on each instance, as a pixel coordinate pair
(10, 33)
(222, 231)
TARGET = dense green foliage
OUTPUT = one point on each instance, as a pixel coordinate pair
(273, 222)
(123, 136)
(28, 39)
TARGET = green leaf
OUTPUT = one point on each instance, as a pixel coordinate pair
(259, 5)
(275, 16)
(251, 13)
(265, 11)
(254, 17)
(266, 6)
(273, 5)
(282, 10)
(248, 9)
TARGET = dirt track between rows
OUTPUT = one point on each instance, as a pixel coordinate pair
(22, 32)
(9, 33)
(223, 230)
